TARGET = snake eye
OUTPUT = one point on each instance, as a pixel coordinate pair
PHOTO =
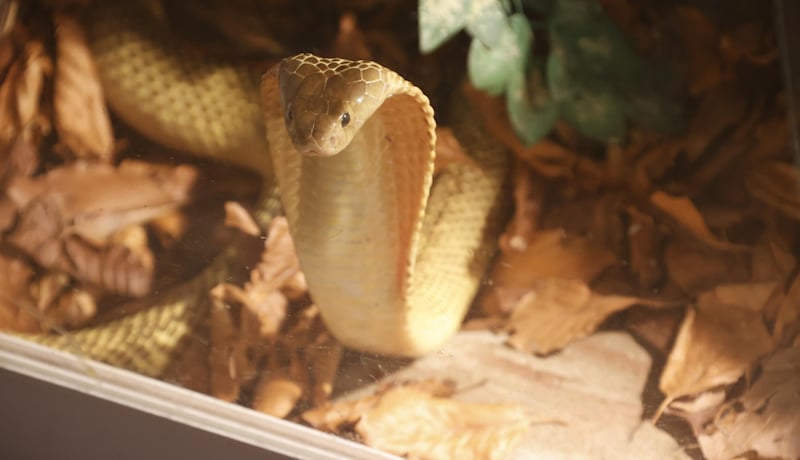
(345, 119)
(289, 113)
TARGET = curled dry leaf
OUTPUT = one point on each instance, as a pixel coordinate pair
(411, 422)
(236, 216)
(96, 200)
(559, 311)
(237, 348)
(81, 116)
(77, 219)
(765, 420)
(684, 212)
(246, 321)
(719, 340)
(21, 91)
(550, 254)
(123, 266)
(279, 262)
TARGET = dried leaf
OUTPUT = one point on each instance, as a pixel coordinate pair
(771, 261)
(124, 266)
(60, 304)
(787, 320)
(766, 420)
(21, 91)
(719, 109)
(778, 185)
(276, 396)
(408, 421)
(771, 140)
(236, 216)
(701, 43)
(655, 327)
(550, 254)
(694, 268)
(643, 250)
(81, 116)
(170, 227)
(235, 343)
(717, 343)
(699, 410)
(246, 321)
(528, 198)
(559, 311)
(21, 159)
(683, 211)
(16, 302)
(68, 226)
(96, 200)
(751, 41)
(588, 397)
(279, 261)
(749, 296)
(323, 358)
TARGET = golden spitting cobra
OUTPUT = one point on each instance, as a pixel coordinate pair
(392, 257)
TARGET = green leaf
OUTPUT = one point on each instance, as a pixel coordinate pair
(597, 77)
(486, 20)
(577, 11)
(490, 67)
(653, 110)
(439, 20)
(558, 76)
(597, 114)
(539, 6)
(530, 109)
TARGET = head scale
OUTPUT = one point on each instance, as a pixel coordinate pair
(326, 101)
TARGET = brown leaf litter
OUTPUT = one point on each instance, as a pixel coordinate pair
(442, 428)
(705, 222)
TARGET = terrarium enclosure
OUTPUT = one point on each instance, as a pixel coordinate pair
(565, 228)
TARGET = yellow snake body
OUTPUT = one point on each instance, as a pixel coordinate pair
(392, 256)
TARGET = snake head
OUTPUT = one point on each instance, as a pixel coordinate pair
(326, 101)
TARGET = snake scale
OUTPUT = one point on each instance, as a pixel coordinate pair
(392, 256)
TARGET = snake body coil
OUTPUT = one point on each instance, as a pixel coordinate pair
(392, 256)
